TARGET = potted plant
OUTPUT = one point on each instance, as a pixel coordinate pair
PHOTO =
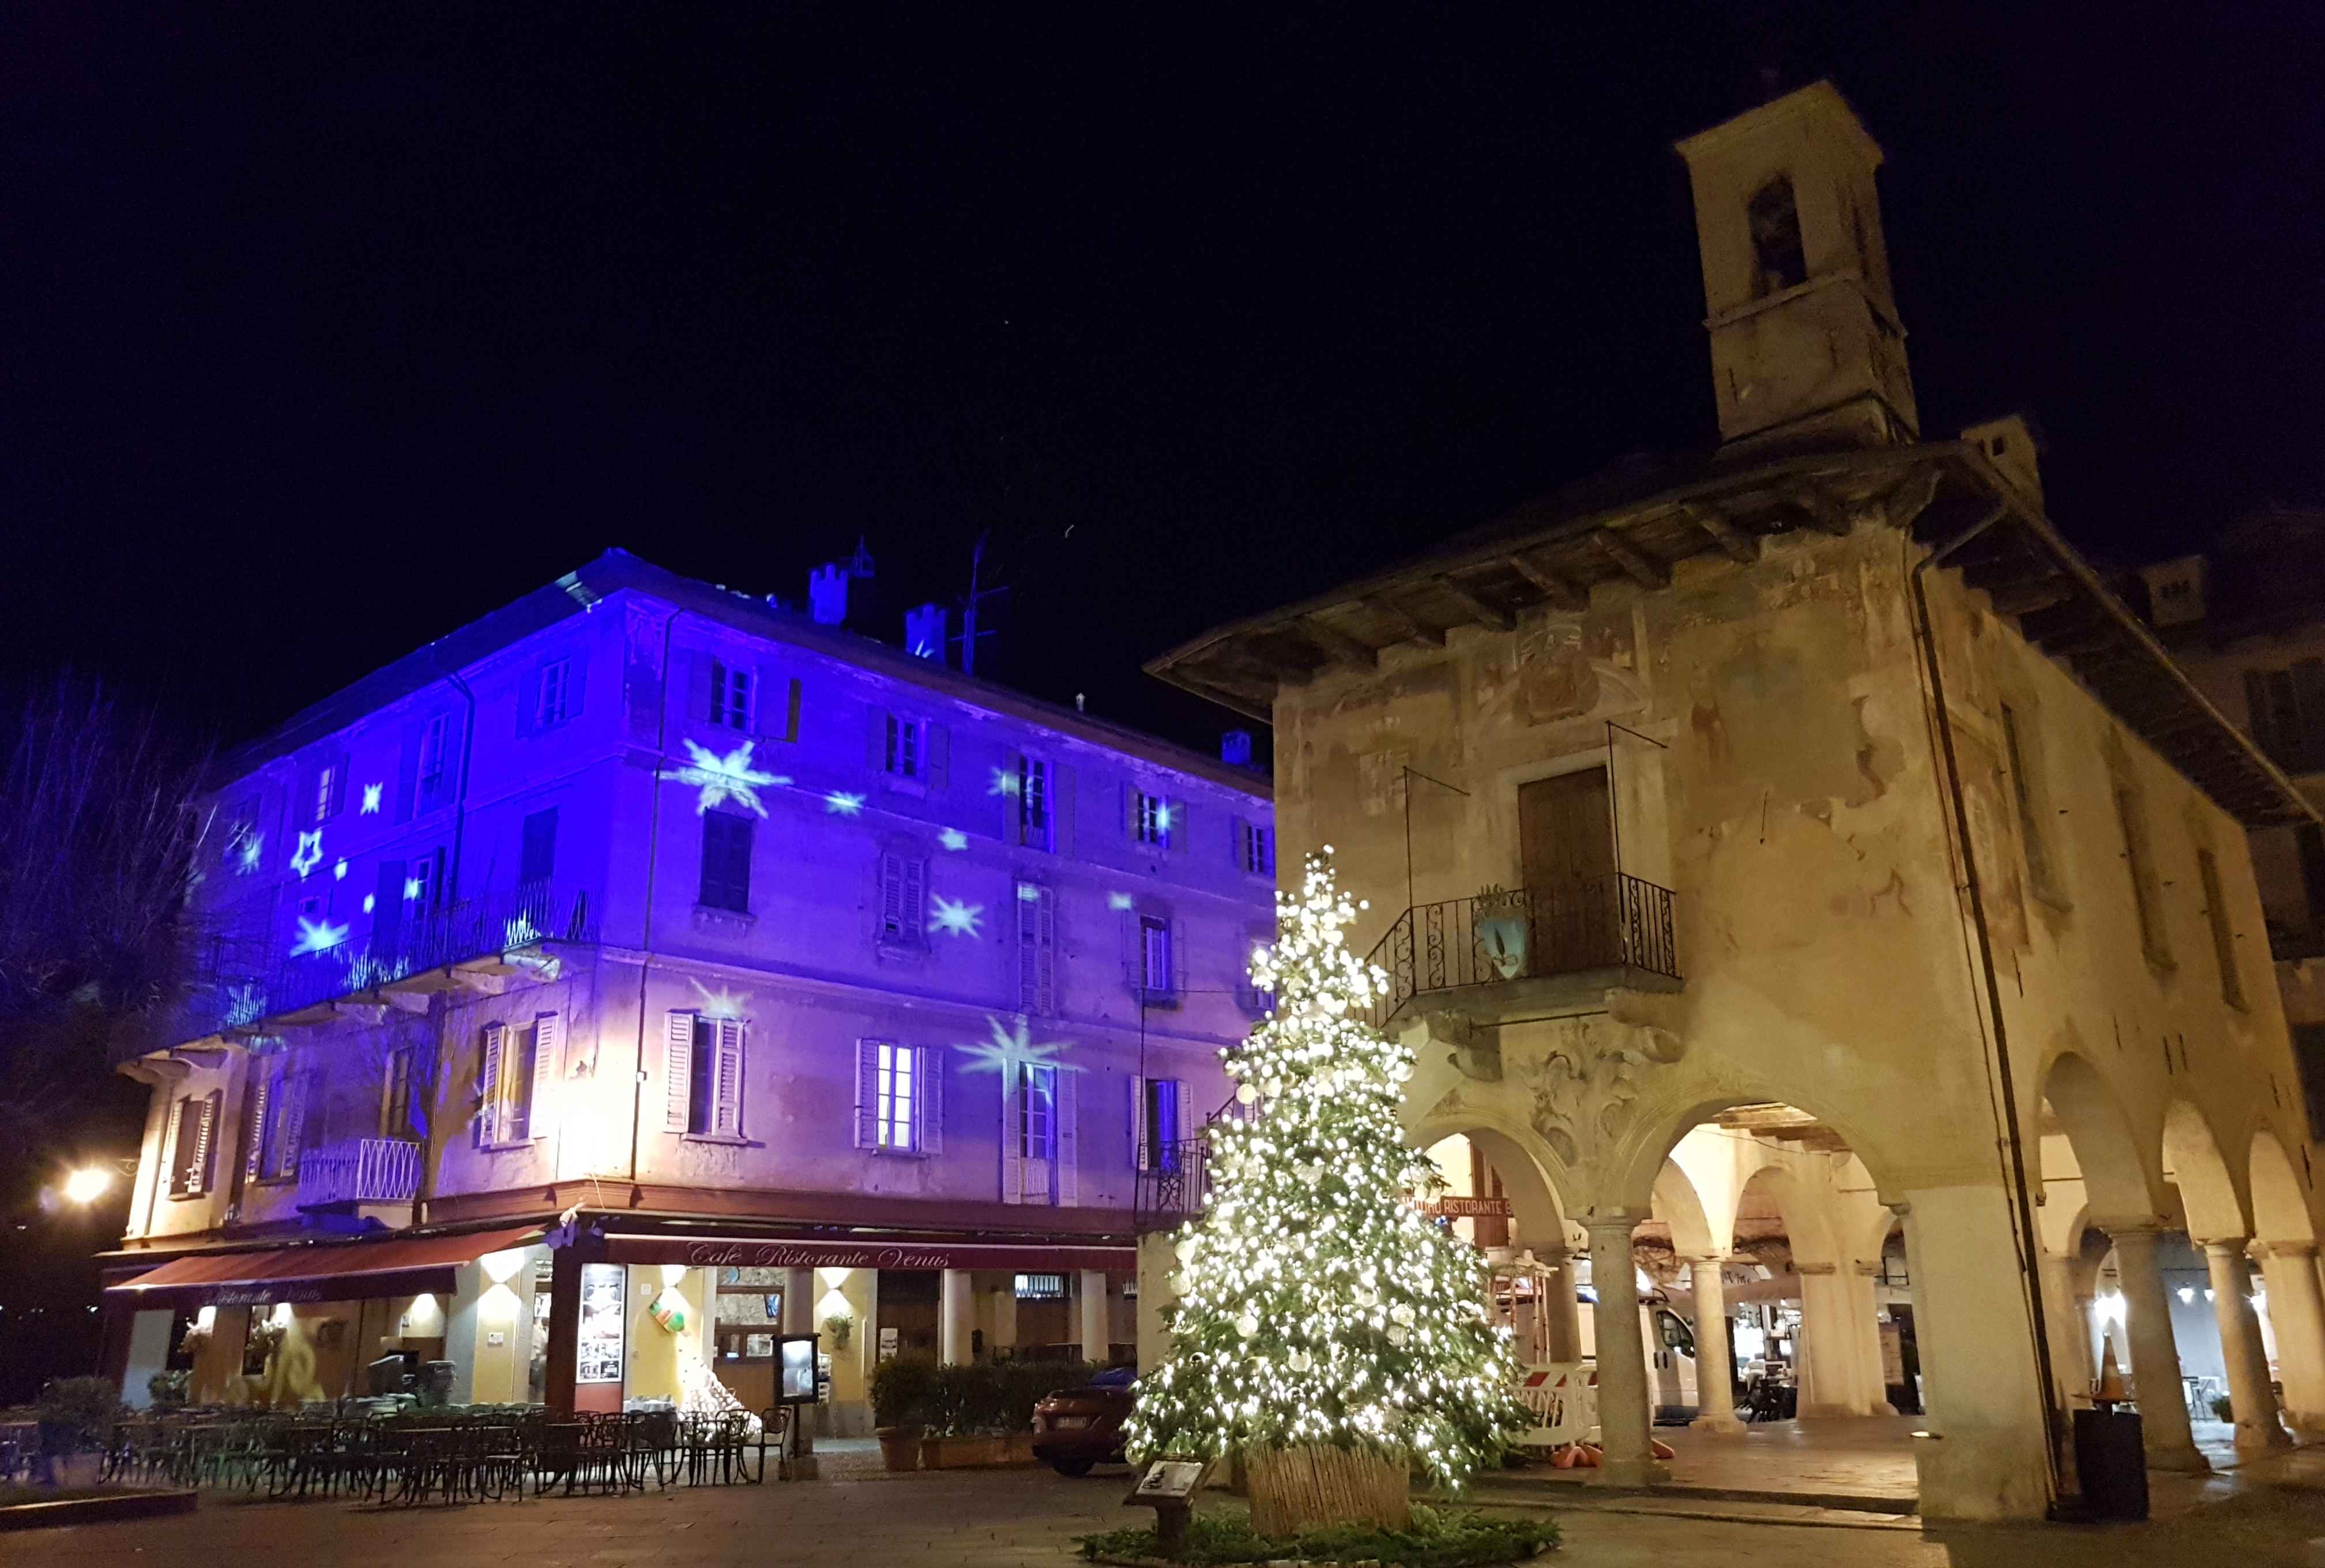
(167, 1390)
(901, 1390)
(967, 1418)
(838, 1327)
(75, 1416)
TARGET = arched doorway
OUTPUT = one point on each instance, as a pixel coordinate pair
(2220, 1230)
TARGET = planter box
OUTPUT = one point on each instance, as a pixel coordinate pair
(900, 1447)
(980, 1452)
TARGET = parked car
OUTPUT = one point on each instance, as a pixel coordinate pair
(1077, 1429)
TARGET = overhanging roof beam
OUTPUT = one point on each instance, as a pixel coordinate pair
(1644, 571)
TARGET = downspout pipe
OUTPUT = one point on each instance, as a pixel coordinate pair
(1973, 894)
(423, 1193)
(645, 934)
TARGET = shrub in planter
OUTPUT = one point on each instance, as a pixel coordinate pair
(967, 1401)
(901, 1386)
(75, 1416)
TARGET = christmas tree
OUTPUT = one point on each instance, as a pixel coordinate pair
(1319, 1308)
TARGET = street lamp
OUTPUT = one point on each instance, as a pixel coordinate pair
(85, 1185)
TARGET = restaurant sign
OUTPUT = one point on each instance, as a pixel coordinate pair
(748, 1252)
(1460, 1208)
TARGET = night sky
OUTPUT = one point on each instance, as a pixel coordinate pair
(331, 327)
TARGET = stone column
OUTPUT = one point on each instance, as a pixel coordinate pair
(1624, 1421)
(1158, 1273)
(1984, 1450)
(1098, 1323)
(2296, 1311)
(1829, 1373)
(1715, 1367)
(2254, 1402)
(1565, 1310)
(2155, 1354)
(1864, 1334)
(956, 1317)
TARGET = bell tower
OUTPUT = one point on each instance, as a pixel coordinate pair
(1807, 351)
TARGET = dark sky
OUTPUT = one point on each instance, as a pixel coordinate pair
(330, 328)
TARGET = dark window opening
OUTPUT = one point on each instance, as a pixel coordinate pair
(1779, 260)
(726, 862)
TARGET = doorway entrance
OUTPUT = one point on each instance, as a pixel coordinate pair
(1566, 855)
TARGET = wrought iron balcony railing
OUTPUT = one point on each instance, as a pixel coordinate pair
(1175, 1185)
(362, 1170)
(324, 962)
(1611, 922)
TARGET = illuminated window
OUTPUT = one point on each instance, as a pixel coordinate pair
(1040, 1288)
(903, 899)
(726, 861)
(732, 694)
(193, 1142)
(897, 1099)
(903, 750)
(1152, 819)
(2286, 711)
(1256, 848)
(556, 685)
(1037, 950)
(1032, 792)
(2223, 937)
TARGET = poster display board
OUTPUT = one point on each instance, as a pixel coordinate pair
(597, 1350)
(795, 1368)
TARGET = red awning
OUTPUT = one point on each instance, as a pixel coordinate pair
(328, 1271)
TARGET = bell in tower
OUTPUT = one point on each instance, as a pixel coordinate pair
(1807, 352)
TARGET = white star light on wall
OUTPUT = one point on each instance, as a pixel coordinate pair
(1007, 1051)
(372, 793)
(371, 900)
(719, 1004)
(318, 937)
(246, 850)
(308, 855)
(1005, 782)
(340, 871)
(410, 889)
(1120, 901)
(840, 803)
(243, 1004)
(954, 918)
(953, 838)
(728, 778)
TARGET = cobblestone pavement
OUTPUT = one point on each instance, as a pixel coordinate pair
(859, 1518)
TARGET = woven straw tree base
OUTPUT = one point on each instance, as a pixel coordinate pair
(1294, 1489)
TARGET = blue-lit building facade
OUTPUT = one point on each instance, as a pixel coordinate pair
(646, 969)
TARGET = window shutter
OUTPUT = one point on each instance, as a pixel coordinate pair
(1130, 812)
(1065, 1137)
(928, 1070)
(1012, 802)
(254, 1159)
(936, 755)
(488, 1089)
(577, 684)
(875, 741)
(1181, 831)
(290, 1116)
(677, 1069)
(726, 1117)
(407, 771)
(1143, 1155)
(1184, 1094)
(791, 709)
(1061, 809)
(1012, 1155)
(867, 1094)
(697, 687)
(916, 898)
(1046, 951)
(548, 1051)
(200, 1168)
(528, 702)
(172, 1169)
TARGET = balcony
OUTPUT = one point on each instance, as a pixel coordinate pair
(1500, 954)
(476, 943)
(361, 1170)
(1175, 1188)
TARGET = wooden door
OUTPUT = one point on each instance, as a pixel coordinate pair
(1566, 854)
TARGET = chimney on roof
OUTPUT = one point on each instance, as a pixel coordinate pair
(927, 631)
(1234, 748)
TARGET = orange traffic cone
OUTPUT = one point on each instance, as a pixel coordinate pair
(2110, 1390)
(1659, 1448)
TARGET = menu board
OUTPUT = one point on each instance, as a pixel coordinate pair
(597, 1353)
(795, 1368)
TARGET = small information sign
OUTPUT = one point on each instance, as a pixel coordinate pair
(1175, 1479)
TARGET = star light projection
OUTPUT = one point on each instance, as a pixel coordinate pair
(1007, 1051)
(952, 838)
(1005, 782)
(1318, 1306)
(372, 792)
(318, 937)
(249, 844)
(728, 778)
(840, 803)
(308, 855)
(955, 918)
(412, 889)
(719, 1004)
(244, 1004)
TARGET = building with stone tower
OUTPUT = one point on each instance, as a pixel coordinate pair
(1802, 828)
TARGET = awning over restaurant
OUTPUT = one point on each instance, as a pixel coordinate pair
(765, 1251)
(324, 1271)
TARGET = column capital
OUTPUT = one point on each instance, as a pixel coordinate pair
(1706, 1259)
(2285, 1249)
(1617, 1220)
(2224, 1246)
(2146, 1226)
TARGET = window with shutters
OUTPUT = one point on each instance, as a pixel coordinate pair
(733, 693)
(899, 1102)
(1158, 1107)
(726, 861)
(330, 787)
(1153, 965)
(705, 1065)
(1037, 950)
(2027, 793)
(536, 860)
(434, 773)
(423, 888)
(2224, 936)
(2286, 713)
(551, 706)
(281, 1122)
(193, 1139)
(904, 751)
(2146, 889)
(515, 1062)
(1255, 848)
(1034, 804)
(904, 899)
(395, 1093)
(1036, 1132)
(1150, 819)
